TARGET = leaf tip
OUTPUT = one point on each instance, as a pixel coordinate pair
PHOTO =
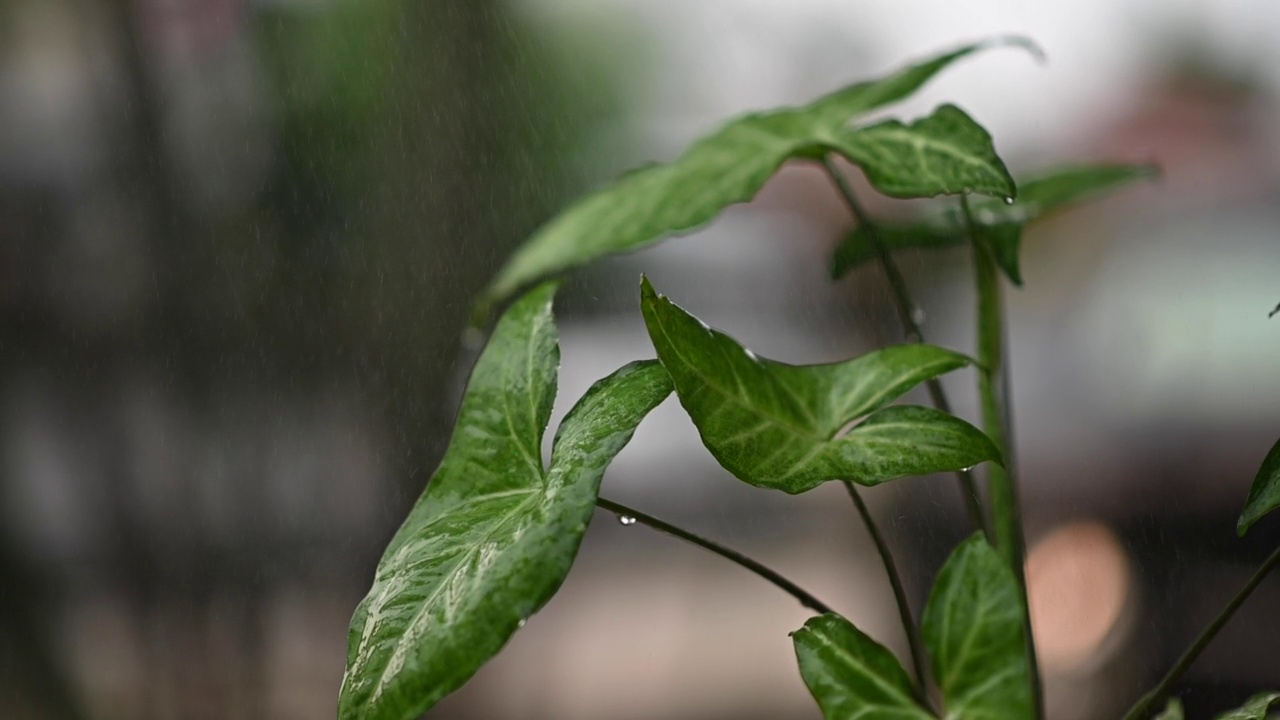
(648, 294)
(1019, 41)
(1246, 521)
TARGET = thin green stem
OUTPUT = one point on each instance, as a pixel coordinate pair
(1147, 704)
(799, 593)
(1002, 480)
(906, 315)
(899, 594)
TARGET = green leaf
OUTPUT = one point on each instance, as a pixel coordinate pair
(783, 426)
(1264, 496)
(494, 534)
(851, 675)
(726, 167)
(1172, 710)
(974, 630)
(946, 152)
(1254, 709)
(999, 225)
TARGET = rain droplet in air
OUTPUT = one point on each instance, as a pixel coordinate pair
(626, 520)
(917, 315)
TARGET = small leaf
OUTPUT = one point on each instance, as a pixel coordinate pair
(973, 628)
(781, 426)
(726, 167)
(946, 152)
(999, 224)
(1254, 709)
(851, 675)
(494, 534)
(1264, 496)
(1172, 710)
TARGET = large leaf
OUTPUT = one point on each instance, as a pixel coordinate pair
(784, 426)
(973, 628)
(946, 152)
(494, 534)
(1255, 708)
(1264, 496)
(851, 675)
(726, 167)
(998, 224)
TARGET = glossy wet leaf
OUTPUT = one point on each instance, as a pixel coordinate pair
(999, 225)
(943, 153)
(974, 631)
(1172, 710)
(1264, 496)
(1256, 708)
(726, 167)
(494, 534)
(851, 675)
(783, 426)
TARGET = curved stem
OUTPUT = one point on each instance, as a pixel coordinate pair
(1148, 702)
(806, 599)
(993, 397)
(899, 594)
(906, 315)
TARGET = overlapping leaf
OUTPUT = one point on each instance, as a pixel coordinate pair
(1255, 708)
(997, 224)
(973, 627)
(731, 165)
(494, 534)
(946, 152)
(783, 426)
(1264, 496)
(1172, 711)
(851, 675)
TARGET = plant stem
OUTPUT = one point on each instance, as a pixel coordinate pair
(899, 594)
(1001, 479)
(1147, 703)
(906, 315)
(806, 599)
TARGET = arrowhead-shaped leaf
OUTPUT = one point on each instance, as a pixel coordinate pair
(997, 224)
(494, 534)
(851, 675)
(783, 426)
(726, 167)
(946, 152)
(1264, 496)
(1254, 709)
(1172, 710)
(974, 630)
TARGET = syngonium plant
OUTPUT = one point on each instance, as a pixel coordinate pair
(499, 525)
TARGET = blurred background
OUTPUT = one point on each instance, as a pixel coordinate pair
(238, 244)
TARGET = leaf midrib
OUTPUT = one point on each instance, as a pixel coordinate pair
(864, 670)
(380, 686)
(804, 433)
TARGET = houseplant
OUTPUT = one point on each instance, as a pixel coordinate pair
(497, 528)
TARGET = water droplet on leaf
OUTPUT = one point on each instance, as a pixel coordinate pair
(522, 623)
(626, 520)
(1008, 201)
